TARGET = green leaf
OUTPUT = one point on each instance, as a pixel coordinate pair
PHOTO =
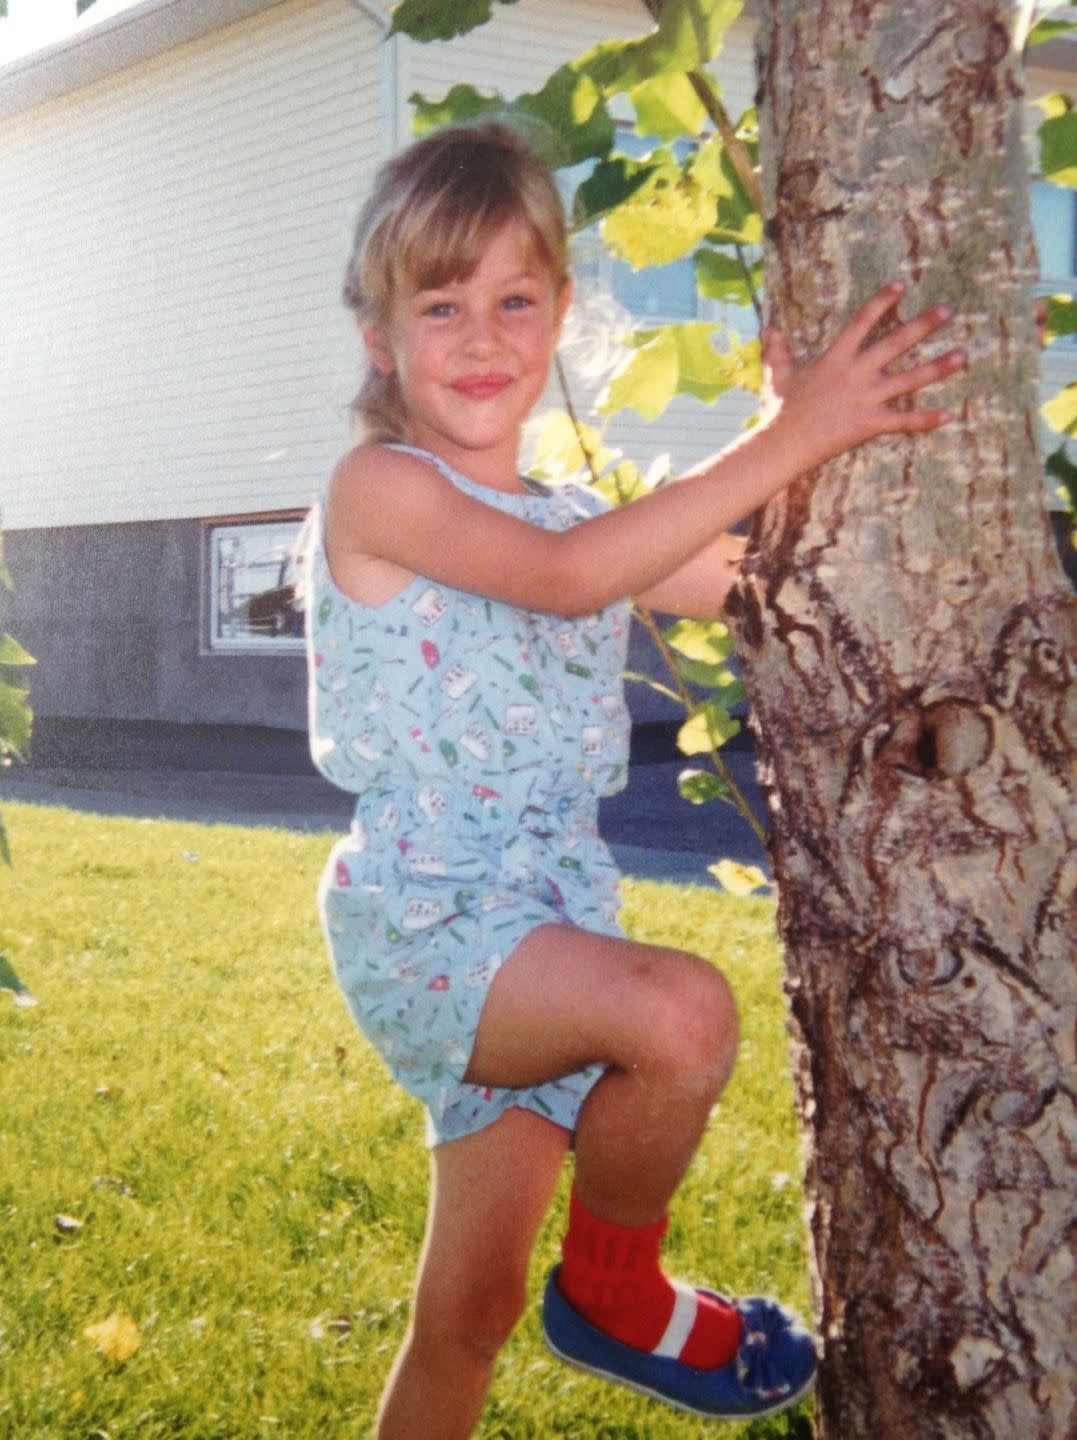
(1050, 30)
(1054, 105)
(707, 728)
(1061, 317)
(565, 122)
(664, 218)
(1058, 149)
(679, 360)
(611, 183)
(699, 786)
(1061, 468)
(724, 686)
(1060, 412)
(738, 221)
(12, 653)
(706, 373)
(721, 276)
(9, 980)
(669, 107)
(625, 482)
(15, 720)
(426, 20)
(646, 381)
(565, 448)
(706, 640)
(462, 103)
(689, 34)
(571, 108)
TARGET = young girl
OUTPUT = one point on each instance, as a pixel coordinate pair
(467, 632)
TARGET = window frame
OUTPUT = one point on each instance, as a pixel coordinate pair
(220, 528)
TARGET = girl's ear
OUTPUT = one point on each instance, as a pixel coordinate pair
(377, 347)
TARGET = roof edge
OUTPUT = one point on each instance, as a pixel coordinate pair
(113, 44)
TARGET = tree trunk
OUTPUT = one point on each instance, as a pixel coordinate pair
(909, 641)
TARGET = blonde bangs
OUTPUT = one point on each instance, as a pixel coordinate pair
(438, 215)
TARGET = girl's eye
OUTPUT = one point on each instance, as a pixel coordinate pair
(518, 302)
(439, 310)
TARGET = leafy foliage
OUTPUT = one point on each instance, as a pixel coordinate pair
(431, 20)
(15, 713)
(1058, 142)
(1058, 164)
(695, 194)
(1036, 25)
(684, 198)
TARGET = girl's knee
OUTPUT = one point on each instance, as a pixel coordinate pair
(470, 1322)
(692, 1026)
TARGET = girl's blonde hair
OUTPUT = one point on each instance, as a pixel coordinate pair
(432, 212)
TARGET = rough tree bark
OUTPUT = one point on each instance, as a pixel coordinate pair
(909, 641)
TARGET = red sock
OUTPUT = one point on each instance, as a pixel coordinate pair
(611, 1274)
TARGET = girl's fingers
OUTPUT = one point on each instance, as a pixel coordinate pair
(914, 422)
(857, 330)
(774, 350)
(891, 347)
(1041, 322)
(905, 382)
(777, 361)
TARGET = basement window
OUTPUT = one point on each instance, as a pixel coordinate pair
(251, 585)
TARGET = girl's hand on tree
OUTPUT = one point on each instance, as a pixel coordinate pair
(844, 397)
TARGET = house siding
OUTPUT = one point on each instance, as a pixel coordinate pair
(173, 347)
(170, 258)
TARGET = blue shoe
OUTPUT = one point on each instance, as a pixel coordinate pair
(773, 1368)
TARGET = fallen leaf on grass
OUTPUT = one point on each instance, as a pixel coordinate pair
(67, 1224)
(116, 1338)
(107, 1092)
(339, 1325)
(738, 879)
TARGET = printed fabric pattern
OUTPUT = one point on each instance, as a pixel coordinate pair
(478, 738)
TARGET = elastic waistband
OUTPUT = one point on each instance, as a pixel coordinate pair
(476, 808)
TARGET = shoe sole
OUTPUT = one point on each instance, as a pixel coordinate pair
(616, 1379)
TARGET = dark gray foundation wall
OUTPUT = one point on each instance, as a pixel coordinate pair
(114, 616)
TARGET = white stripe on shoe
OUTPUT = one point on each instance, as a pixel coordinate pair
(680, 1322)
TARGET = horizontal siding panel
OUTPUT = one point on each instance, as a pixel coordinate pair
(173, 313)
(172, 244)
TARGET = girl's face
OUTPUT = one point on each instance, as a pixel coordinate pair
(472, 357)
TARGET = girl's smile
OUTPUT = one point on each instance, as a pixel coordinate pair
(472, 357)
(482, 387)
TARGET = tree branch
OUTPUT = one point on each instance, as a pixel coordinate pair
(718, 115)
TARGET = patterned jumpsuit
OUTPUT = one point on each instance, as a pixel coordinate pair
(477, 737)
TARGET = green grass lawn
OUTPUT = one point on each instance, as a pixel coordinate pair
(243, 1183)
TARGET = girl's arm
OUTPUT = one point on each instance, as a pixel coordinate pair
(701, 586)
(398, 509)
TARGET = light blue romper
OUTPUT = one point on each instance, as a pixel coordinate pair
(477, 738)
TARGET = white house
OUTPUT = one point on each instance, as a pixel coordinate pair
(177, 182)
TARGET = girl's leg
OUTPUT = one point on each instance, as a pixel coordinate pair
(489, 1194)
(662, 1020)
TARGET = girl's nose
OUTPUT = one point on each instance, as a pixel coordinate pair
(481, 331)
